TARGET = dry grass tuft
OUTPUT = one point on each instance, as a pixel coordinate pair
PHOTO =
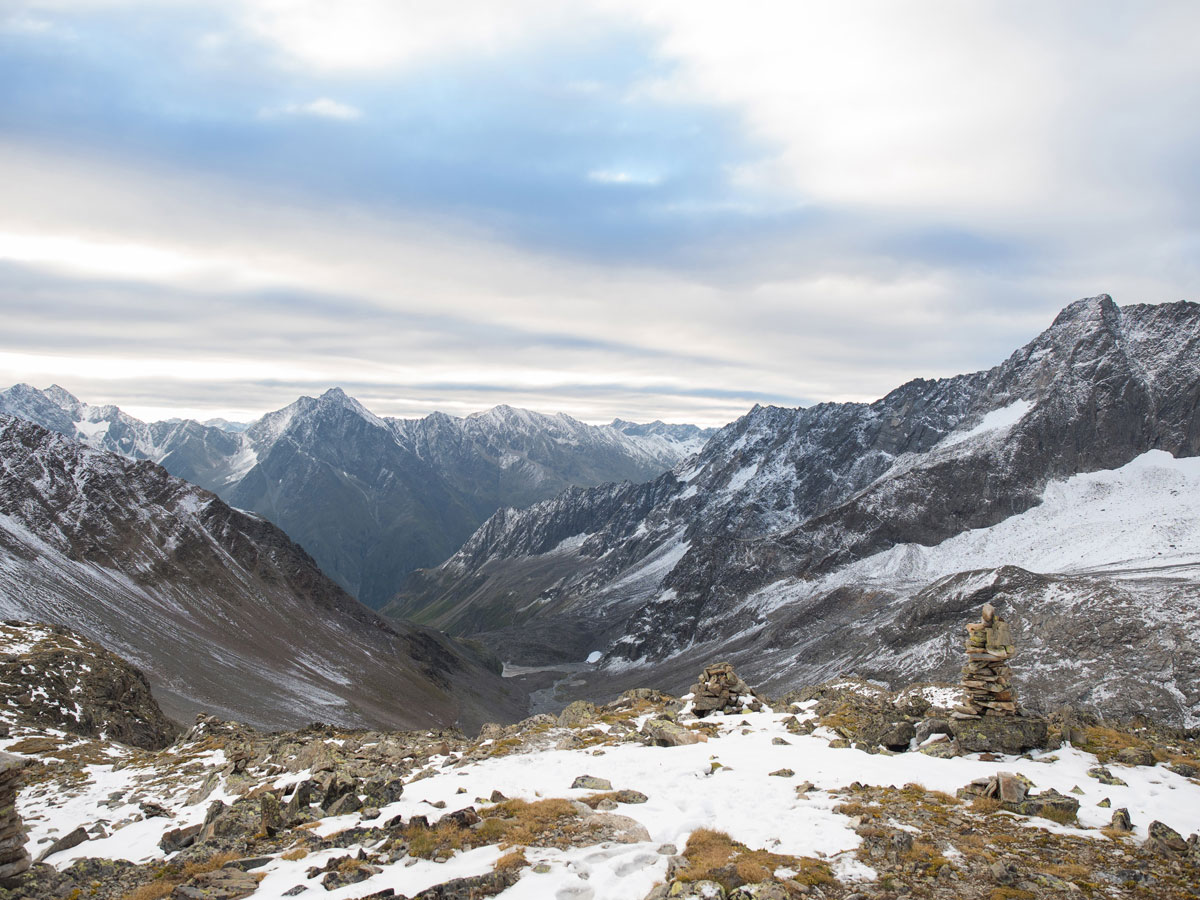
(715, 856)
(170, 877)
(514, 859)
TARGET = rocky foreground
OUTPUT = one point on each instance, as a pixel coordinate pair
(844, 790)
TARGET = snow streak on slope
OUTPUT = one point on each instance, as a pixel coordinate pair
(1140, 518)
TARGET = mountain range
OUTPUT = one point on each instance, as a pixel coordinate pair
(802, 543)
(222, 611)
(372, 498)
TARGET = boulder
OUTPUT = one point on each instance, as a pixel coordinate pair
(1165, 841)
(580, 712)
(221, 884)
(665, 733)
(1135, 756)
(591, 783)
(1000, 734)
(1121, 820)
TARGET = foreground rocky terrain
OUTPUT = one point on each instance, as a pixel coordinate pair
(801, 543)
(218, 607)
(841, 790)
(372, 498)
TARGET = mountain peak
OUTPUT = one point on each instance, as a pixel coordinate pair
(1100, 308)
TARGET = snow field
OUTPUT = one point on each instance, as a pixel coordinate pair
(685, 790)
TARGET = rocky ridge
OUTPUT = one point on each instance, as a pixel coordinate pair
(794, 523)
(372, 498)
(217, 607)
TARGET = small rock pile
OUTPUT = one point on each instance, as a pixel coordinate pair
(14, 858)
(720, 690)
(986, 676)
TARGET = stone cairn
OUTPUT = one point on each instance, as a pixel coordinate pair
(720, 690)
(986, 676)
(14, 858)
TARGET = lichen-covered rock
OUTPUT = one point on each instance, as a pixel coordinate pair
(1165, 840)
(580, 712)
(221, 884)
(1000, 734)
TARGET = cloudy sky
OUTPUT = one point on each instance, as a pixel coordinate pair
(622, 207)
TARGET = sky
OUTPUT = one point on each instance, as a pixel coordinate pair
(642, 209)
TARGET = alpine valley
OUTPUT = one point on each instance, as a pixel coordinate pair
(1060, 485)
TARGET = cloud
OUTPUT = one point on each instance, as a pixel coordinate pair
(658, 209)
(322, 108)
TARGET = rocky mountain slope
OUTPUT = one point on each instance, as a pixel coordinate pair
(218, 607)
(370, 498)
(793, 542)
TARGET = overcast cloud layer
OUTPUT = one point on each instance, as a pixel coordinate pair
(647, 209)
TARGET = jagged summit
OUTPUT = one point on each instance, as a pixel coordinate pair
(370, 497)
(220, 609)
(757, 544)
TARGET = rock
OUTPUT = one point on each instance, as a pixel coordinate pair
(490, 731)
(763, 890)
(179, 838)
(628, 796)
(1135, 756)
(347, 803)
(463, 818)
(887, 844)
(591, 783)
(1121, 820)
(295, 891)
(247, 863)
(580, 712)
(897, 736)
(1000, 734)
(343, 876)
(614, 828)
(942, 750)
(720, 690)
(497, 797)
(927, 728)
(784, 773)
(1104, 776)
(221, 884)
(370, 812)
(66, 842)
(152, 810)
(1049, 804)
(473, 888)
(1165, 841)
(665, 733)
(270, 814)
(708, 890)
(1011, 788)
(1184, 769)
(780, 742)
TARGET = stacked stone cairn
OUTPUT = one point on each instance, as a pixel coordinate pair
(14, 858)
(721, 690)
(986, 676)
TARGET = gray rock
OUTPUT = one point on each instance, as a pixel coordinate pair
(1121, 820)
(1135, 756)
(1165, 841)
(66, 842)
(591, 783)
(221, 884)
(665, 733)
(580, 712)
(1000, 734)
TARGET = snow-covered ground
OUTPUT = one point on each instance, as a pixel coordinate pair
(725, 783)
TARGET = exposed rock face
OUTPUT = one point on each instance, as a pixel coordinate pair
(370, 498)
(804, 542)
(14, 858)
(218, 607)
(55, 677)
